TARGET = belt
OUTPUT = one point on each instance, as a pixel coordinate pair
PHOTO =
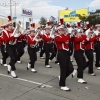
(32, 46)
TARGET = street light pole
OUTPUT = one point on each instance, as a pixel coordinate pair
(10, 8)
(15, 11)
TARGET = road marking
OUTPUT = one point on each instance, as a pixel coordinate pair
(25, 80)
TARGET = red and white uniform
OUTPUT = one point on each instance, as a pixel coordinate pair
(79, 42)
(90, 42)
(62, 42)
(20, 38)
(1, 40)
(9, 39)
(98, 37)
(46, 38)
(31, 41)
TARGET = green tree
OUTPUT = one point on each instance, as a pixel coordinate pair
(43, 21)
(93, 17)
(83, 17)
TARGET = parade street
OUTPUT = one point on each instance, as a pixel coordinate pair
(44, 85)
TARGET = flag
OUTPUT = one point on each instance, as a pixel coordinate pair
(52, 18)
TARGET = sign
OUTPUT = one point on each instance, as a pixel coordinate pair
(26, 12)
(14, 18)
(72, 15)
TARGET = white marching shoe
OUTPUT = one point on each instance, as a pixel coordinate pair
(19, 62)
(28, 66)
(74, 73)
(98, 68)
(5, 65)
(59, 78)
(81, 81)
(48, 66)
(65, 88)
(9, 69)
(50, 60)
(33, 70)
(42, 57)
(1, 61)
(13, 74)
(93, 74)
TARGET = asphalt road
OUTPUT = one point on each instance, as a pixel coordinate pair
(44, 85)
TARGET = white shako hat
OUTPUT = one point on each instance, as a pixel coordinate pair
(60, 27)
(97, 25)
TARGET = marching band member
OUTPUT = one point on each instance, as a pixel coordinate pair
(24, 41)
(97, 47)
(70, 30)
(48, 46)
(10, 40)
(89, 46)
(19, 47)
(3, 49)
(41, 43)
(52, 33)
(66, 67)
(79, 40)
(32, 42)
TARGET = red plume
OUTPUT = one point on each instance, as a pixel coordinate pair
(48, 23)
(41, 26)
(61, 21)
(78, 24)
(88, 26)
(33, 25)
(9, 18)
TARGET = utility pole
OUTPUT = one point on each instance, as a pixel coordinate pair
(15, 11)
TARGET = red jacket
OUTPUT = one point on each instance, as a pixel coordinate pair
(1, 40)
(40, 35)
(7, 36)
(89, 44)
(79, 42)
(20, 38)
(62, 42)
(30, 40)
(46, 38)
(98, 38)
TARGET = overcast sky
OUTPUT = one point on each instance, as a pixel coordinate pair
(47, 8)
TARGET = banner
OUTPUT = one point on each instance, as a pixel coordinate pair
(72, 15)
(26, 12)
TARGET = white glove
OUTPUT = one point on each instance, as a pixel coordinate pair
(16, 35)
(37, 40)
(52, 36)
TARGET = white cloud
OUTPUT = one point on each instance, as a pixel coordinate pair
(95, 3)
(39, 7)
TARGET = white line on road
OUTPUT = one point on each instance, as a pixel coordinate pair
(28, 81)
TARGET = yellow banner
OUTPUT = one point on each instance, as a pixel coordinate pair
(72, 15)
